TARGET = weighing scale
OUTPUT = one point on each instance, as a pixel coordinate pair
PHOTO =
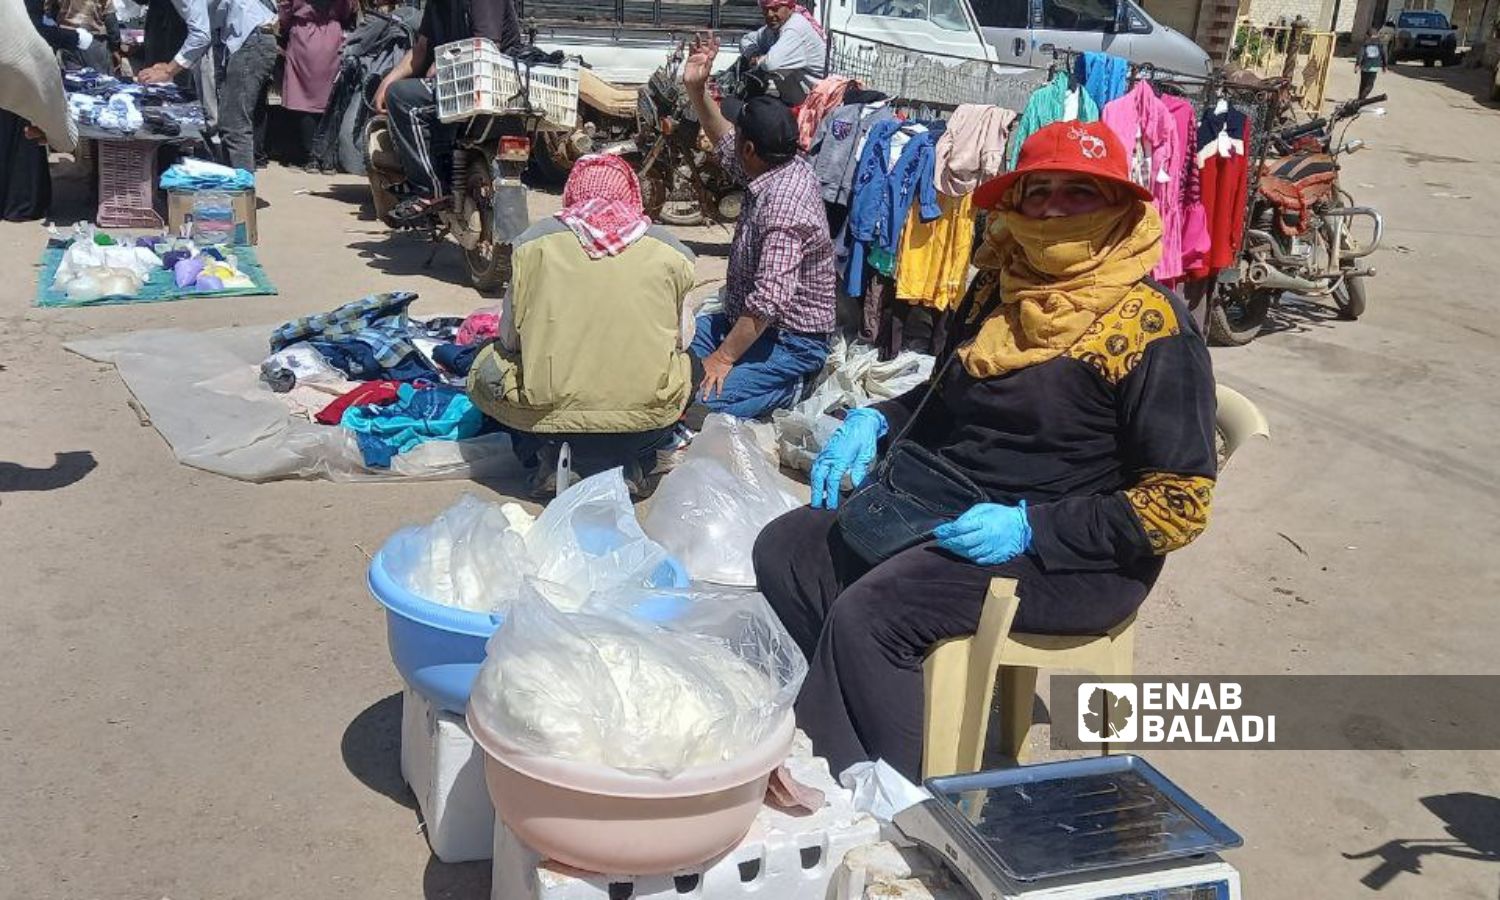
(1108, 828)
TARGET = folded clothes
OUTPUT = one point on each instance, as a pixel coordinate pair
(369, 339)
(201, 175)
(371, 393)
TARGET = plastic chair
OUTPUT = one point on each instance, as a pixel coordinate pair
(961, 675)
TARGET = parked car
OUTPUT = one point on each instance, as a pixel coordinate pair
(1426, 35)
(1020, 29)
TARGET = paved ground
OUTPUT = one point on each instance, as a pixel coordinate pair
(199, 704)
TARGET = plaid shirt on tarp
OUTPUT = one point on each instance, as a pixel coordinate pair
(781, 261)
(378, 321)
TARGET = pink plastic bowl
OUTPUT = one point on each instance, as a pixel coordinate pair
(604, 820)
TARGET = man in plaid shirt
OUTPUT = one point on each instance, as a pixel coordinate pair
(773, 334)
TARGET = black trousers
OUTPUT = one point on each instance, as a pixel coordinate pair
(1366, 83)
(866, 631)
(424, 144)
(592, 453)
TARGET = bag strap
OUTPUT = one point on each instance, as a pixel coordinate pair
(950, 352)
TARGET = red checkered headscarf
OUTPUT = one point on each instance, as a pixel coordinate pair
(799, 9)
(602, 205)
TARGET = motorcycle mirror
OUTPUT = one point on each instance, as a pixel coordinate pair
(1377, 112)
(1353, 146)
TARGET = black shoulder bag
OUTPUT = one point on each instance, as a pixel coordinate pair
(912, 490)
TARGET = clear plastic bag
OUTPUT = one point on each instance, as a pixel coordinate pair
(472, 556)
(475, 555)
(708, 511)
(651, 681)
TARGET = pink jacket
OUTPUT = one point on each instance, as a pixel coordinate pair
(972, 149)
(1142, 115)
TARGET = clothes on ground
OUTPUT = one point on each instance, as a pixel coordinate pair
(588, 345)
(202, 175)
(1103, 76)
(419, 414)
(933, 261)
(313, 32)
(781, 266)
(370, 393)
(369, 339)
(1223, 169)
(972, 149)
(456, 358)
(771, 375)
(297, 364)
(479, 326)
(1055, 101)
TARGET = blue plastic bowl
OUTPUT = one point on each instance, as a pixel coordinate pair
(438, 649)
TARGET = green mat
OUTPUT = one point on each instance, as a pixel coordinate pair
(160, 289)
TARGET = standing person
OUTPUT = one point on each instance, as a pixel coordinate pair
(312, 32)
(96, 18)
(245, 32)
(25, 179)
(790, 49)
(1077, 396)
(1372, 59)
(407, 96)
(773, 334)
(591, 349)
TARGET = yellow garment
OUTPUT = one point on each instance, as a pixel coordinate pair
(1057, 277)
(1117, 340)
(934, 256)
(1172, 509)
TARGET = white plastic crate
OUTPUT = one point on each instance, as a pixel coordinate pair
(474, 79)
(445, 769)
(784, 857)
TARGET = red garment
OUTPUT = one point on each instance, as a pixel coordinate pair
(370, 393)
(1225, 182)
(826, 97)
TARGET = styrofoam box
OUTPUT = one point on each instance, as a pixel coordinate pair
(785, 857)
(445, 769)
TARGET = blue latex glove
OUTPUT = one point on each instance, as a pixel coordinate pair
(988, 534)
(851, 450)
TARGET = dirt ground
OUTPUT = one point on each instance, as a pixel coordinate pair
(199, 701)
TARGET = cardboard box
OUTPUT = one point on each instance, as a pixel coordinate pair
(242, 203)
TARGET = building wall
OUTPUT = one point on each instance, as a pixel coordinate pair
(1318, 12)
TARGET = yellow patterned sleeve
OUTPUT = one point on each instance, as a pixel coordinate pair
(1171, 509)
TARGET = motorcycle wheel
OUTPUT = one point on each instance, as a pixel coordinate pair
(488, 262)
(1236, 317)
(1349, 296)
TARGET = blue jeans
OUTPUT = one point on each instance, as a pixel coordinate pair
(770, 375)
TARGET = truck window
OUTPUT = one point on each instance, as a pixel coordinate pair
(948, 15)
(1078, 15)
(895, 9)
(740, 15)
(1002, 13)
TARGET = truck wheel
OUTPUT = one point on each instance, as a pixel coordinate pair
(1350, 298)
(1236, 317)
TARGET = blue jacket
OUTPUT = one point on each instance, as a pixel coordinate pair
(882, 198)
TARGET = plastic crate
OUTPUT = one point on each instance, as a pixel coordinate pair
(475, 79)
(127, 185)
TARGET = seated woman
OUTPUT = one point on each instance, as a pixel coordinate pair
(1076, 395)
(592, 347)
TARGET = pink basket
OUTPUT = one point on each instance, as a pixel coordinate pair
(127, 185)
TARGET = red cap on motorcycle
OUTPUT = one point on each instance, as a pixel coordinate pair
(1084, 148)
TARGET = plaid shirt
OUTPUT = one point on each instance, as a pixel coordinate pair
(781, 261)
(378, 321)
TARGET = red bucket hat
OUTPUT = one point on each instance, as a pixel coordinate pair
(1086, 148)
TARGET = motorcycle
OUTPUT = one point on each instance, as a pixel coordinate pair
(488, 206)
(682, 182)
(1299, 237)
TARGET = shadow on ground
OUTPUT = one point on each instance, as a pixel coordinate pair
(456, 881)
(403, 254)
(1472, 822)
(372, 750)
(67, 469)
(1474, 82)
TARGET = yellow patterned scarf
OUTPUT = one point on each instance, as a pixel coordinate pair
(1057, 277)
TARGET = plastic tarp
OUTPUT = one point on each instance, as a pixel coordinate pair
(202, 392)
